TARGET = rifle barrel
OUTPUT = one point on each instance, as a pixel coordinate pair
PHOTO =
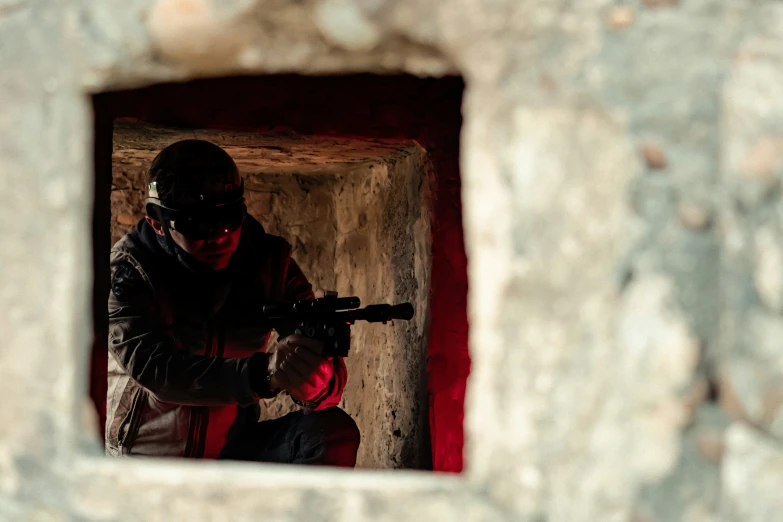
(380, 313)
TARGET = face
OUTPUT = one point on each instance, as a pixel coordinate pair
(214, 253)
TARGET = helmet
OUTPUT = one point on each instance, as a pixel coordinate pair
(194, 187)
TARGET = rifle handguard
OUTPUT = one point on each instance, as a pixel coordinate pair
(329, 319)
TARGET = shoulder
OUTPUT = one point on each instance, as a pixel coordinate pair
(278, 246)
(129, 246)
(267, 244)
(268, 261)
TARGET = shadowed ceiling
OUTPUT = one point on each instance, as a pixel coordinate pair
(135, 145)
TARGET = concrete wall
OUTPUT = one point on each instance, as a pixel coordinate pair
(383, 222)
(620, 186)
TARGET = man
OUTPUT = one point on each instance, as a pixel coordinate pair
(187, 365)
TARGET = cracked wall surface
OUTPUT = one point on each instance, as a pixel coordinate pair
(621, 175)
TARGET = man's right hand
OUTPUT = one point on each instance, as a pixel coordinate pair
(297, 366)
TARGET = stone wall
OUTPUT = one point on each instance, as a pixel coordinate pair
(620, 176)
(383, 219)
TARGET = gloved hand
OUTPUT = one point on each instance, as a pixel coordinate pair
(297, 367)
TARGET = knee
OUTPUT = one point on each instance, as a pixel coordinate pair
(328, 437)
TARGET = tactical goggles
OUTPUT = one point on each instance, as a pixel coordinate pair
(206, 223)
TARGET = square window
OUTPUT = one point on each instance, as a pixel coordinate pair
(360, 175)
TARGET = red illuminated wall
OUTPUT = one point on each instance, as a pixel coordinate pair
(426, 110)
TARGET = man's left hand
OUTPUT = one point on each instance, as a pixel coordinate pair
(298, 368)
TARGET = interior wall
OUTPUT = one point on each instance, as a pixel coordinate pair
(302, 210)
(384, 255)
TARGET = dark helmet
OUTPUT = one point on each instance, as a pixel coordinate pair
(194, 187)
(193, 174)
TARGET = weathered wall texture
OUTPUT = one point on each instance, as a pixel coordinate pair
(750, 356)
(621, 187)
(383, 222)
(360, 227)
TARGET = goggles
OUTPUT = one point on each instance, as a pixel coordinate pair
(206, 223)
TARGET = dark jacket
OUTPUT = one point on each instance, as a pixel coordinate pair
(186, 363)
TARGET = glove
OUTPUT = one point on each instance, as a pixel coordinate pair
(296, 366)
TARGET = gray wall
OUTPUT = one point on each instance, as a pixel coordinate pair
(607, 292)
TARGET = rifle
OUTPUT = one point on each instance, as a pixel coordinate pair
(329, 319)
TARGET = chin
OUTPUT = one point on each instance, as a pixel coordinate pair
(217, 263)
(217, 266)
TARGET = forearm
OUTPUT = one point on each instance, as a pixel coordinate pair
(176, 377)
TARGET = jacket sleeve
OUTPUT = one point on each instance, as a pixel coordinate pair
(138, 342)
(297, 287)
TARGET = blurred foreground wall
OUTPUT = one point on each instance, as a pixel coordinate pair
(621, 168)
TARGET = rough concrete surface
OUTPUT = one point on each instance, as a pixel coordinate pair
(753, 470)
(383, 254)
(606, 285)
